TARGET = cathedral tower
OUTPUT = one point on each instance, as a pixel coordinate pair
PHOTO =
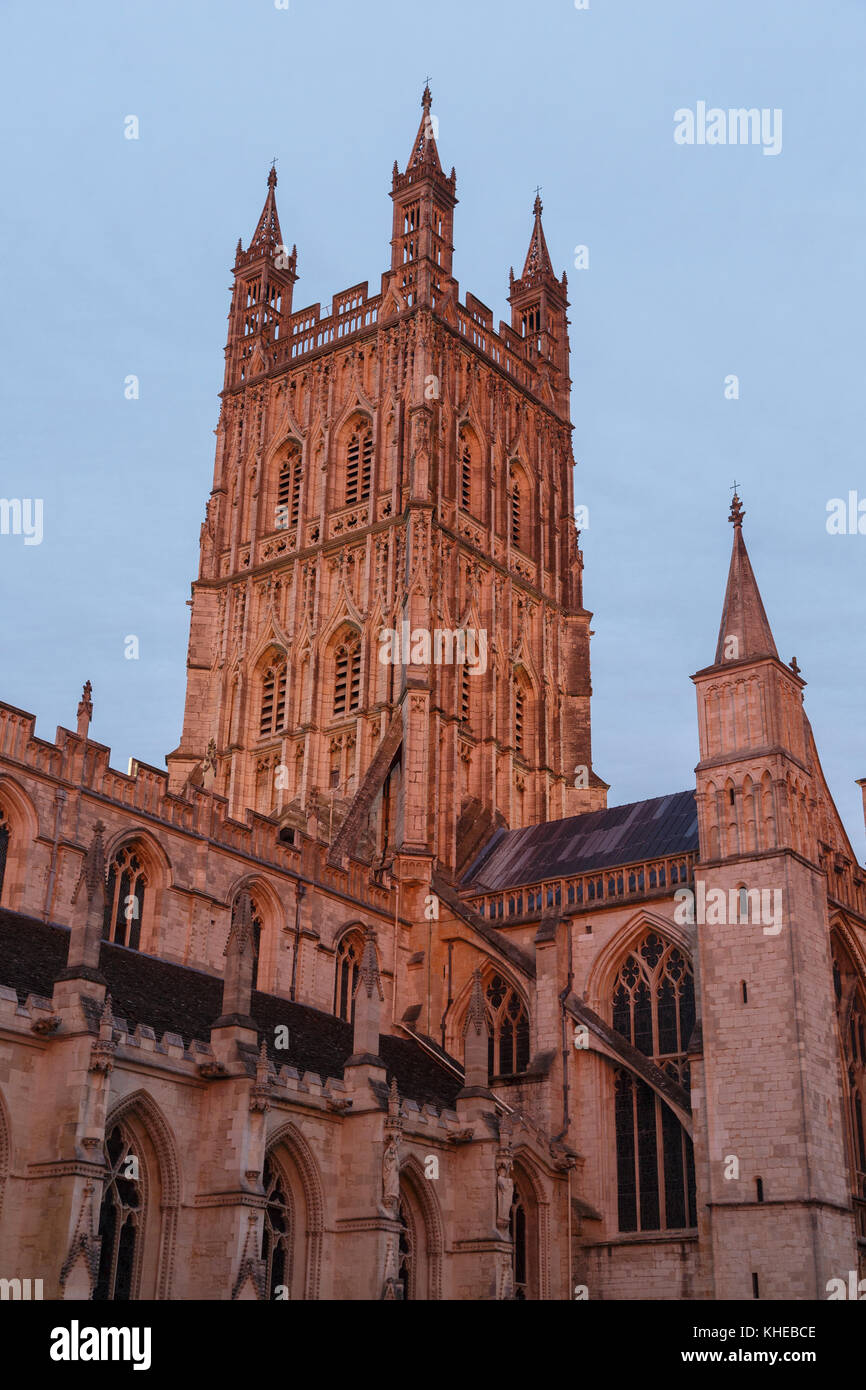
(388, 644)
(774, 1191)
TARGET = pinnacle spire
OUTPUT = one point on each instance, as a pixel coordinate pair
(267, 239)
(424, 150)
(743, 615)
(538, 260)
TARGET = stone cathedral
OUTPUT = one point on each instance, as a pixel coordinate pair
(371, 995)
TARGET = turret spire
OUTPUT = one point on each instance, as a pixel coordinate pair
(745, 630)
(424, 150)
(538, 260)
(267, 239)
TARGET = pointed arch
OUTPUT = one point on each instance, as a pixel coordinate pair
(605, 967)
(519, 507)
(140, 1117)
(508, 1016)
(356, 456)
(310, 1220)
(470, 489)
(268, 918)
(529, 1227)
(428, 1233)
(652, 1005)
(343, 668)
(19, 830)
(270, 681)
(347, 964)
(523, 706)
(138, 875)
(849, 984)
(287, 469)
(5, 1148)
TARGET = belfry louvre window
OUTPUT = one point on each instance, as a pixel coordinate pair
(654, 1009)
(519, 719)
(508, 1022)
(516, 513)
(273, 710)
(359, 464)
(120, 1221)
(124, 898)
(276, 1230)
(289, 491)
(347, 677)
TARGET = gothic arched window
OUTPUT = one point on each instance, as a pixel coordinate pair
(359, 463)
(257, 936)
(508, 1024)
(349, 954)
(4, 848)
(120, 1220)
(289, 489)
(851, 1012)
(273, 709)
(277, 1230)
(124, 898)
(347, 675)
(654, 1009)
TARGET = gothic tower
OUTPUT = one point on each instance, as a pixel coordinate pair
(773, 1181)
(388, 644)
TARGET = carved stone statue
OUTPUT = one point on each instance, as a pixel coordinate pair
(391, 1175)
(504, 1191)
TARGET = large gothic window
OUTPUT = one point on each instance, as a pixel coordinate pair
(851, 1011)
(349, 954)
(508, 1024)
(359, 463)
(654, 1008)
(124, 898)
(4, 848)
(120, 1220)
(277, 1230)
(347, 675)
(272, 715)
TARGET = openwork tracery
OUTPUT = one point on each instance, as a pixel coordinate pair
(654, 1008)
(508, 1022)
(851, 1012)
(277, 1230)
(124, 898)
(121, 1220)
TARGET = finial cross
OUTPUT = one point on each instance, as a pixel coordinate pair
(735, 486)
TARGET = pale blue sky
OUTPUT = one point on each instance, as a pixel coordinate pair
(704, 261)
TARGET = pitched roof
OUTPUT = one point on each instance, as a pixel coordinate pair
(595, 840)
(177, 999)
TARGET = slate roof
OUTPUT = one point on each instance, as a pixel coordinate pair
(177, 999)
(595, 840)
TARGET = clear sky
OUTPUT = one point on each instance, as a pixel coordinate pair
(704, 261)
